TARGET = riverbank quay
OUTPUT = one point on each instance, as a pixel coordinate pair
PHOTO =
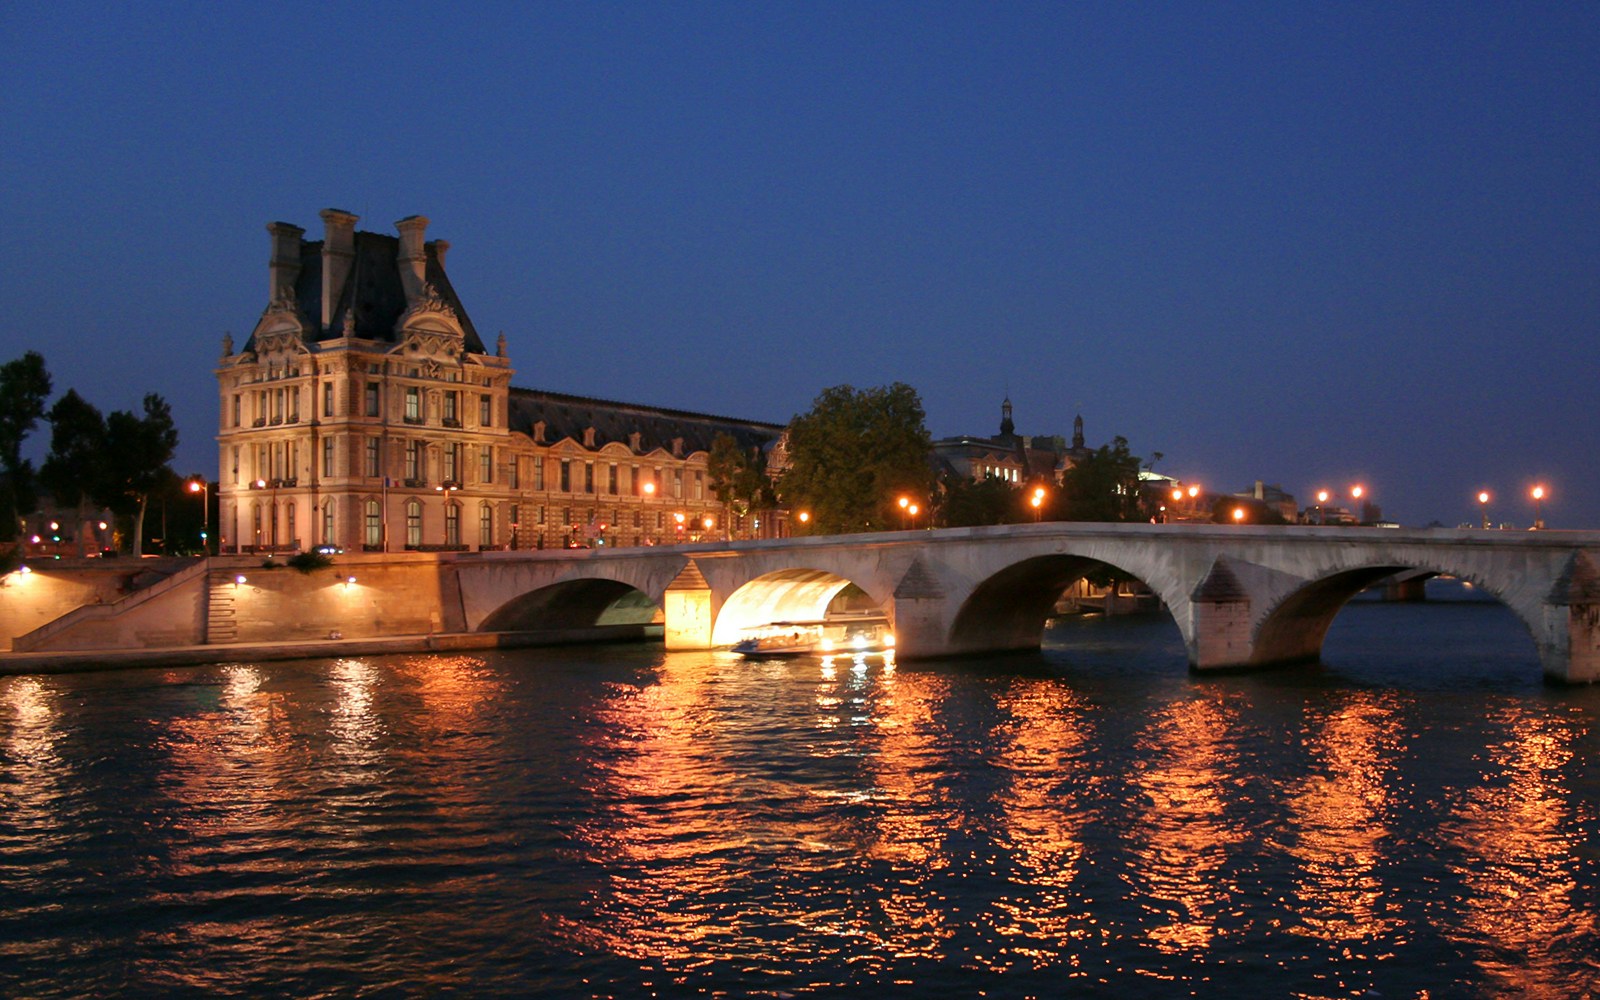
(89, 660)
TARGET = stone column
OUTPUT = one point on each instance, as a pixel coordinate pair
(687, 610)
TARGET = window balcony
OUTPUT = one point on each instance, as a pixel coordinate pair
(410, 419)
(451, 422)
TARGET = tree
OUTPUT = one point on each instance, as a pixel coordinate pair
(853, 453)
(24, 386)
(75, 471)
(965, 503)
(1102, 486)
(738, 478)
(138, 450)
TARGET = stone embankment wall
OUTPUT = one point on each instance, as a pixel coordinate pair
(54, 588)
(233, 599)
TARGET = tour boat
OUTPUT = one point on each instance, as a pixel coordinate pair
(842, 636)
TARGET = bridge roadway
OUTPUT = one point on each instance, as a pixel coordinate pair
(1242, 596)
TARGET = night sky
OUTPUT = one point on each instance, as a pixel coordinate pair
(1312, 244)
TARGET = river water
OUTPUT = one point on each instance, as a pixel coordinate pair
(1416, 817)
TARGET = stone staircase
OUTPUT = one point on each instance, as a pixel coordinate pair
(222, 621)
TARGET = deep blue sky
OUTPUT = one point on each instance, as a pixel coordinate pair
(1305, 243)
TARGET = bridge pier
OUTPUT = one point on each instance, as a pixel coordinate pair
(1220, 632)
(687, 610)
(1570, 647)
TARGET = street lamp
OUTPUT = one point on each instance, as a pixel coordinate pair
(1356, 493)
(1038, 499)
(905, 508)
(912, 510)
(1238, 515)
(201, 487)
(805, 521)
(1322, 514)
(1483, 503)
(1538, 507)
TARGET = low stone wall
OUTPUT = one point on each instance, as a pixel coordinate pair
(396, 595)
(54, 588)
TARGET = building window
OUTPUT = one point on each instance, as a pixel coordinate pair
(374, 524)
(677, 483)
(485, 464)
(566, 475)
(452, 524)
(699, 485)
(538, 472)
(413, 460)
(413, 414)
(413, 524)
(238, 408)
(485, 411)
(588, 477)
(516, 472)
(327, 523)
(611, 479)
(290, 535)
(255, 520)
(451, 454)
(373, 470)
(452, 409)
(327, 456)
(485, 526)
(372, 399)
(638, 484)
(541, 514)
(327, 399)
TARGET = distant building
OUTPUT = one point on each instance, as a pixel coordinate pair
(1008, 455)
(365, 412)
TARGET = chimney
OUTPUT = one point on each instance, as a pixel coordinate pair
(338, 253)
(440, 248)
(284, 267)
(412, 259)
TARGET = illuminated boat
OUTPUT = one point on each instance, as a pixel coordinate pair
(858, 634)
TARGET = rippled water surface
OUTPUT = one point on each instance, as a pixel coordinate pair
(1417, 817)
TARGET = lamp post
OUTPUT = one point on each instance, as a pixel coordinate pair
(1356, 493)
(1238, 515)
(203, 488)
(1322, 514)
(1038, 502)
(1483, 504)
(1538, 507)
(912, 510)
(805, 522)
(905, 509)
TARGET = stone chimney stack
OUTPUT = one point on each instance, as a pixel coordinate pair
(412, 258)
(440, 248)
(284, 267)
(338, 253)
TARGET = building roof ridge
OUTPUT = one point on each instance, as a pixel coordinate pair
(568, 397)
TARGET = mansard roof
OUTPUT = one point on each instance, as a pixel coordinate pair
(373, 295)
(567, 416)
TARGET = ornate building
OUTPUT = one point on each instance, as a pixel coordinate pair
(1009, 456)
(365, 412)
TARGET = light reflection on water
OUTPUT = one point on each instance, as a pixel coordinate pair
(618, 821)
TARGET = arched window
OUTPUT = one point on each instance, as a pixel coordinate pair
(374, 525)
(289, 536)
(452, 524)
(327, 520)
(255, 522)
(485, 526)
(413, 524)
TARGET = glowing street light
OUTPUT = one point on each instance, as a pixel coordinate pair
(905, 509)
(1483, 504)
(912, 510)
(805, 521)
(1238, 515)
(1038, 498)
(1538, 506)
(201, 487)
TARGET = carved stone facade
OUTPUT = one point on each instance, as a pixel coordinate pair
(364, 412)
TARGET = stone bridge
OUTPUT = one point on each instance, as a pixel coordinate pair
(1242, 596)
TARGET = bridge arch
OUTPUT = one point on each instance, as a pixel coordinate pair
(577, 603)
(1295, 627)
(794, 594)
(1008, 609)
